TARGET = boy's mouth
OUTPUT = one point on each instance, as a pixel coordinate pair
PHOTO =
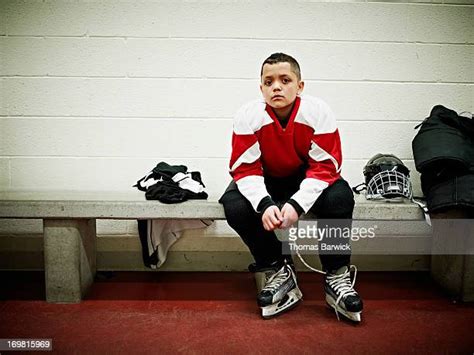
(276, 97)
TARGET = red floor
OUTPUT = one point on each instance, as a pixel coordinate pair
(216, 313)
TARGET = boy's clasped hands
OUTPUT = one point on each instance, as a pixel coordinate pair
(273, 218)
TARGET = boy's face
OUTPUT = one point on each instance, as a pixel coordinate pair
(280, 85)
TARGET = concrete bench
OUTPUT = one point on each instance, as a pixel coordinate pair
(69, 229)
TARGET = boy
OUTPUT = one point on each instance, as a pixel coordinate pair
(286, 150)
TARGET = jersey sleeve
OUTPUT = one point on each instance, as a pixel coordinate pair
(324, 157)
(245, 165)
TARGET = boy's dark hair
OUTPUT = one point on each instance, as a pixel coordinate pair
(281, 58)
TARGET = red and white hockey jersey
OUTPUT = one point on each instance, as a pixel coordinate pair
(261, 146)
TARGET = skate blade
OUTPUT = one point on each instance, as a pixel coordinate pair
(290, 301)
(352, 316)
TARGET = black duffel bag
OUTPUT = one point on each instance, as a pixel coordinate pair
(443, 150)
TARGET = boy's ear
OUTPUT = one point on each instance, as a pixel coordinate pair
(261, 88)
(300, 87)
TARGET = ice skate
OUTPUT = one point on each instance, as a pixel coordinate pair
(277, 290)
(340, 293)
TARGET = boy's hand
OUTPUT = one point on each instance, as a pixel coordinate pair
(272, 218)
(289, 215)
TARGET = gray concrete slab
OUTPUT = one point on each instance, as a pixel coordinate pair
(130, 206)
(70, 259)
(452, 270)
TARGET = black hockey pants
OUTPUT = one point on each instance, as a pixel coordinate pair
(333, 208)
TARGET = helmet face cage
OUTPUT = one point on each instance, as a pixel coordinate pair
(389, 184)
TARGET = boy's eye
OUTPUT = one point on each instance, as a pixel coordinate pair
(268, 82)
(285, 81)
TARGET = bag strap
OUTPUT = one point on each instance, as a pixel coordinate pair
(359, 188)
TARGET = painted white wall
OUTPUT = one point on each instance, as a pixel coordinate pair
(94, 94)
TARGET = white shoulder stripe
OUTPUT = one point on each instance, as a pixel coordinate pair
(319, 154)
(317, 114)
(251, 117)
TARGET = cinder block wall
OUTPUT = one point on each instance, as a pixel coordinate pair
(94, 94)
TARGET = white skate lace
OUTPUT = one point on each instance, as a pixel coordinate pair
(341, 282)
(307, 265)
(276, 280)
(342, 285)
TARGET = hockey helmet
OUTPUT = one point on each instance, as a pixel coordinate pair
(387, 177)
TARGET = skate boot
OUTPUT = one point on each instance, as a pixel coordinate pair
(261, 275)
(278, 289)
(340, 293)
